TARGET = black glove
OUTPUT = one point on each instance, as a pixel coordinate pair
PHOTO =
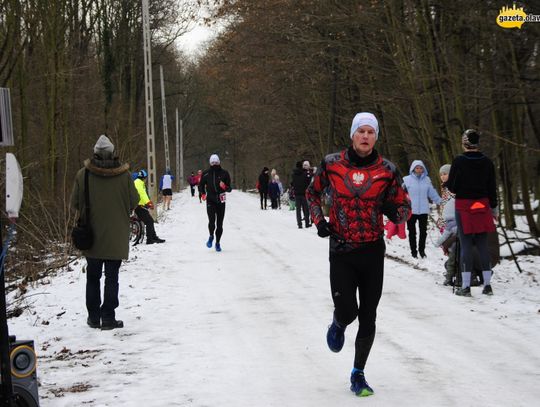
(324, 229)
(389, 209)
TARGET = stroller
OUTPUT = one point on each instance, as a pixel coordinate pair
(454, 279)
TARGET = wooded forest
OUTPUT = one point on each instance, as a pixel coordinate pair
(281, 82)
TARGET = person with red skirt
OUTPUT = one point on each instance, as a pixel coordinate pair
(472, 179)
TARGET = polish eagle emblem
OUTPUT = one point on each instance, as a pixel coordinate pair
(358, 178)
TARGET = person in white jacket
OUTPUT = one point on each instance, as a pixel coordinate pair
(165, 186)
(420, 189)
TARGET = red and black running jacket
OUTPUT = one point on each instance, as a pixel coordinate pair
(358, 196)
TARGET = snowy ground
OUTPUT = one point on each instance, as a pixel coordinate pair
(247, 326)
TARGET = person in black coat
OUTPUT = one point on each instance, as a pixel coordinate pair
(472, 178)
(215, 182)
(301, 177)
(262, 186)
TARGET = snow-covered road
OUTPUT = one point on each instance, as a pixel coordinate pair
(246, 327)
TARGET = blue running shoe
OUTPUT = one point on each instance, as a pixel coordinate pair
(335, 337)
(210, 240)
(218, 247)
(359, 385)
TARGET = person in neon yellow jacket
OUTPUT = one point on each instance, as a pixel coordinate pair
(142, 209)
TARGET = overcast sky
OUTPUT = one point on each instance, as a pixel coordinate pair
(193, 40)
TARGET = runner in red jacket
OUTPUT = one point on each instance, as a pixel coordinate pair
(361, 186)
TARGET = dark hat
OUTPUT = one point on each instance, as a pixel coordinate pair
(470, 139)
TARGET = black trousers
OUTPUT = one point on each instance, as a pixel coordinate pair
(301, 206)
(411, 227)
(97, 310)
(358, 272)
(264, 198)
(216, 214)
(144, 215)
(192, 187)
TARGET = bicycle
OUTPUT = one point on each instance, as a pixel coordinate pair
(137, 230)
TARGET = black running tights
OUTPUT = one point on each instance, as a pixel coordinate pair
(216, 213)
(362, 272)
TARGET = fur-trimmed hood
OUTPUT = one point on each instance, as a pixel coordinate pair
(105, 168)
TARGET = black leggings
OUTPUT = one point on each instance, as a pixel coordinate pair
(422, 225)
(359, 271)
(264, 198)
(214, 211)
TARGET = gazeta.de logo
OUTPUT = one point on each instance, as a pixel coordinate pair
(511, 17)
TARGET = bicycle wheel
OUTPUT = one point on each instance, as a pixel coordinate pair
(137, 231)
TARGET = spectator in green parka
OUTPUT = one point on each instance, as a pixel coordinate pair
(112, 197)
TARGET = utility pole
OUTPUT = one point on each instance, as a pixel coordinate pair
(164, 111)
(149, 104)
(178, 179)
(181, 153)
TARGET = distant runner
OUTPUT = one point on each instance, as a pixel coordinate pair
(215, 182)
